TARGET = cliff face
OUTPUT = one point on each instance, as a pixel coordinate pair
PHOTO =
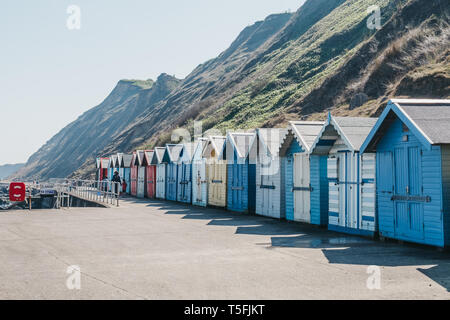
(8, 169)
(289, 66)
(82, 140)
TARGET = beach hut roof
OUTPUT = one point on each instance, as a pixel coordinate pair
(159, 154)
(199, 147)
(139, 158)
(126, 160)
(149, 155)
(352, 130)
(270, 138)
(98, 162)
(112, 161)
(118, 159)
(173, 152)
(241, 142)
(105, 162)
(305, 132)
(428, 119)
(216, 143)
(188, 151)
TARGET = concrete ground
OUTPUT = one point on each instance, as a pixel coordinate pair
(163, 250)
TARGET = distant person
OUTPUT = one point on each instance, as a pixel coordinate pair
(124, 186)
(117, 180)
(104, 185)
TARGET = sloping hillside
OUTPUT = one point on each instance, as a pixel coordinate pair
(83, 139)
(8, 169)
(408, 57)
(289, 66)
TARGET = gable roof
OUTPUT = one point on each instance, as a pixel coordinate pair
(240, 142)
(428, 119)
(270, 138)
(98, 161)
(105, 162)
(126, 160)
(304, 132)
(216, 143)
(118, 158)
(112, 161)
(133, 159)
(139, 157)
(199, 147)
(149, 154)
(159, 154)
(172, 152)
(352, 130)
(187, 152)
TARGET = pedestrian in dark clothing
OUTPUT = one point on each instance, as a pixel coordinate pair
(124, 185)
(104, 186)
(116, 181)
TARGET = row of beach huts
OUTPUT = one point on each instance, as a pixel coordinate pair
(386, 176)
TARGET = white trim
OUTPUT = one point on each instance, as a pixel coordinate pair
(300, 136)
(413, 122)
(341, 134)
(230, 135)
(419, 101)
(211, 141)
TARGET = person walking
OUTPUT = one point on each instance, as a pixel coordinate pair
(116, 182)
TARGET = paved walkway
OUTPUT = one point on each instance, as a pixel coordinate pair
(163, 250)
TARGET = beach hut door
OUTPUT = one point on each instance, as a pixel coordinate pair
(185, 178)
(161, 181)
(335, 203)
(408, 197)
(172, 181)
(199, 178)
(237, 185)
(302, 187)
(141, 182)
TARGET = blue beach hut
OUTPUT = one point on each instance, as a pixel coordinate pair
(412, 143)
(112, 165)
(118, 166)
(125, 165)
(351, 176)
(298, 178)
(184, 176)
(241, 186)
(171, 157)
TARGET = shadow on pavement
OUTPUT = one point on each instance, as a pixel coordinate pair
(337, 248)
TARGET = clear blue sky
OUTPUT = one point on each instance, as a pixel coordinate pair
(49, 74)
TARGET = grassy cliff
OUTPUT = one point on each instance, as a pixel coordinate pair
(289, 66)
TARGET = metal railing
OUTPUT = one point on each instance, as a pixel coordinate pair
(64, 190)
(105, 191)
(100, 191)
